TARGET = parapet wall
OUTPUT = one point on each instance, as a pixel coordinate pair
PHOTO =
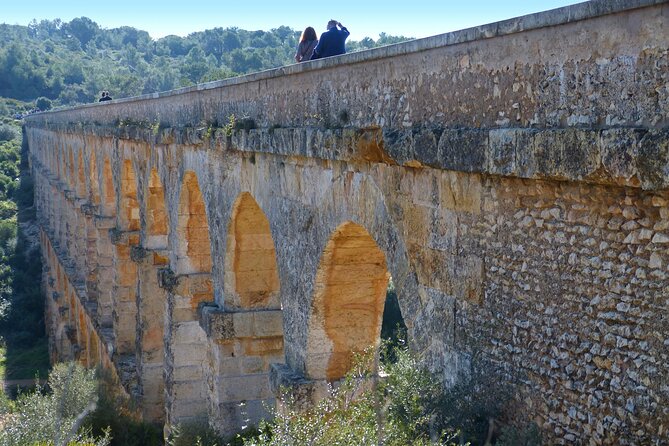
(512, 179)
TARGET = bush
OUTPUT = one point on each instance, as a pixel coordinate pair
(8, 132)
(406, 407)
(192, 434)
(54, 417)
(396, 411)
(7, 209)
(114, 415)
(43, 103)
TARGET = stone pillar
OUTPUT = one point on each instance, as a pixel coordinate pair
(79, 238)
(151, 310)
(124, 291)
(104, 268)
(185, 347)
(91, 255)
(243, 344)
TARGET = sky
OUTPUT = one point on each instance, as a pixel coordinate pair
(410, 18)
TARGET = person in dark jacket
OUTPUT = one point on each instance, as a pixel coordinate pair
(308, 42)
(332, 41)
(105, 97)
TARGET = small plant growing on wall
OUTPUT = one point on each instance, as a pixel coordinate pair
(229, 127)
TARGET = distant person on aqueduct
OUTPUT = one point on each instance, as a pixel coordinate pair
(105, 97)
(332, 41)
(308, 42)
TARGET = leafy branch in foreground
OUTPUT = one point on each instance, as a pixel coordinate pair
(54, 417)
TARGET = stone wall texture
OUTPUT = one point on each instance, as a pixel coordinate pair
(210, 243)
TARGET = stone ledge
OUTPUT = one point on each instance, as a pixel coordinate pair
(622, 156)
(221, 325)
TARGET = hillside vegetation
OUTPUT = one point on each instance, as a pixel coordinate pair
(71, 62)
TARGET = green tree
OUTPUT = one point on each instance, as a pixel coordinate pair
(195, 65)
(43, 103)
(83, 28)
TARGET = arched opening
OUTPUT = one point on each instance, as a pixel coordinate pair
(81, 177)
(194, 250)
(347, 307)
(108, 196)
(156, 215)
(93, 179)
(129, 205)
(393, 327)
(251, 274)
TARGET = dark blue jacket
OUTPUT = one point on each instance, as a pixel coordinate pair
(331, 43)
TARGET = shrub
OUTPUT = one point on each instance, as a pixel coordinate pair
(55, 417)
(192, 434)
(7, 209)
(114, 415)
(43, 103)
(7, 132)
(395, 411)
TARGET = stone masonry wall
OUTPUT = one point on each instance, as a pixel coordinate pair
(514, 177)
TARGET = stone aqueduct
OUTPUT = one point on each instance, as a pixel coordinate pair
(512, 179)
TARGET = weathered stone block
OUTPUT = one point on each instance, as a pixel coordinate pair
(653, 161)
(463, 149)
(217, 323)
(501, 154)
(268, 323)
(242, 388)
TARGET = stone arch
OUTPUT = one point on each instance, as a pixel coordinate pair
(93, 180)
(251, 274)
(81, 176)
(157, 222)
(108, 195)
(194, 247)
(347, 306)
(129, 211)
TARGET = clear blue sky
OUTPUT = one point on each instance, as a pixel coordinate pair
(411, 18)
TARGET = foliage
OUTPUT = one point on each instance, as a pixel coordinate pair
(396, 410)
(393, 328)
(21, 301)
(528, 436)
(115, 415)
(26, 362)
(54, 417)
(191, 434)
(404, 405)
(71, 62)
(7, 132)
(43, 103)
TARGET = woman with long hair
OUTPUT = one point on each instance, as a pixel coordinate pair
(308, 42)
